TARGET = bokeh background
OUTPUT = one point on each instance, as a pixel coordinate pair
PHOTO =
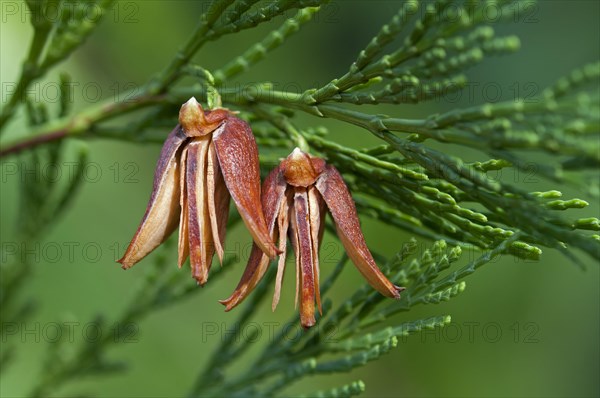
(527, 329)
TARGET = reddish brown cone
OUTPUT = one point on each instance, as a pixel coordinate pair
(208, 158)
(295, 197)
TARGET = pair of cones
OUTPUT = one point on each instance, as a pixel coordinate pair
(211, 157)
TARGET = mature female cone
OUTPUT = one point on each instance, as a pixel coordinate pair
(208, 158)
(295, 197)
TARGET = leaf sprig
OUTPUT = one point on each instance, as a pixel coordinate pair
(408, 181)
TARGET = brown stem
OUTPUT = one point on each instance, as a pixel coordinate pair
(83, 122)
(34, 141)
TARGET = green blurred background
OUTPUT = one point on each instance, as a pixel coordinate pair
(520, 329)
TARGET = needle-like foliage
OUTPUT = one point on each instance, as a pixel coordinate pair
(408, 181)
